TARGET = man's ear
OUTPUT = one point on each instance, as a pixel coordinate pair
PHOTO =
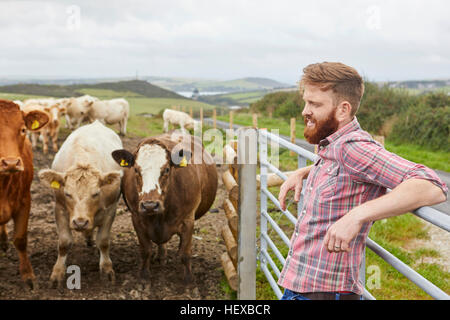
(344, 111)
(35, 120)
(123, 158)
(51, 179)
(110, 178)
(180, 157)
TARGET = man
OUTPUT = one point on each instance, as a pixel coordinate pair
(345, 189)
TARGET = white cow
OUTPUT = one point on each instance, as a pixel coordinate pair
(178, 118)
(86, 183)
(77, 110)
(110, 112)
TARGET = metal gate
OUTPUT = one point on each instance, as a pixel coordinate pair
(269, 263)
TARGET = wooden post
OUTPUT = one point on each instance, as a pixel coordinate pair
(230, 271)
(292, 153)
(231, 185)
(183, 108)
(255, 120)
(247, 148)
(232, 217)
(231, 119)
(201, 117)
(230, 243)
(214, 118)
(191, 114)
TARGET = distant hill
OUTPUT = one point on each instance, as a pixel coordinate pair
(143, 88)
(420, 86)
(237, 85)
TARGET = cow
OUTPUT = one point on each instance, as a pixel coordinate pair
(166, 194)
(86, 184)
(110, 112)
(16, 175)
(77, 110)
(178, 118)
(51, 130)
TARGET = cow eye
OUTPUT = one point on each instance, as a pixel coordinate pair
(166, 170)
(95, 195)
(23, 131)
(68, 195)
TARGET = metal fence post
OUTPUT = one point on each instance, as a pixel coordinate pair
(262, 142)
(247, 152)
(301, 164)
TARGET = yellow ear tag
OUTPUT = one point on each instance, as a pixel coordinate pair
(123, 163)
(55, 185)
(183, 162)
(35, 125)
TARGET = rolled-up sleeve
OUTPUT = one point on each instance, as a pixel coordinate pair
(367, 161)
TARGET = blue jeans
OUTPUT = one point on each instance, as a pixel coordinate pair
(291, 295)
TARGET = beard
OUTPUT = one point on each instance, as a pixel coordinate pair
(321, 129)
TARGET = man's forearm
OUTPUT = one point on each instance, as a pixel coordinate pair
(407, 196)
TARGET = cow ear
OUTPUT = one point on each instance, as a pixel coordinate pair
(123, 158)
(110, 178)
(35, 120)
(181, 157)
(51, 179)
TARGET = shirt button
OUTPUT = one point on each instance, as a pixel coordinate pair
(304, 211)
(310, 188)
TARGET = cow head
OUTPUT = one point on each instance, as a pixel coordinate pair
(13, 129)
(153, 167)
(55, 112)
(85, 191)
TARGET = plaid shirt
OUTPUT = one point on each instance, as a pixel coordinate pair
(351, 169)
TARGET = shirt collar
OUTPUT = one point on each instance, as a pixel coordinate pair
(349, 127)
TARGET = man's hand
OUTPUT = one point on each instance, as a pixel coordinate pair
(293, 182)
(341, 233)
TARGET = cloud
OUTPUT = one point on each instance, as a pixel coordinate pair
(224, 39)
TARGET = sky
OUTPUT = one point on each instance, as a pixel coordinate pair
(226, 39)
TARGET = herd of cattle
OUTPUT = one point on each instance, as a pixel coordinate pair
(164, 191)
(76, 111)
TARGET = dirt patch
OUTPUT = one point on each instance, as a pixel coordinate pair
(439, 240)
(166, 280)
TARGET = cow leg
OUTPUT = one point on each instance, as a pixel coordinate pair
(55, 141)
(123, 126)
(45, 142)
(20, 242)
(102, 241)
(3, 237)
(162, 254)
(34, 137)
(65, 241)
(185, 248)
(68, 122)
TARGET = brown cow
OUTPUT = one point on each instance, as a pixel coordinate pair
(16, 175)
(166, 195)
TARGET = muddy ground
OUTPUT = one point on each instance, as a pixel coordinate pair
(166, 280)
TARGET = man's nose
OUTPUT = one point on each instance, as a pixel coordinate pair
(306, 111)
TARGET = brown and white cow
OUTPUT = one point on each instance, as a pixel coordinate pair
(86, 184)
(166, 194)
(16, 175)
(51, 130)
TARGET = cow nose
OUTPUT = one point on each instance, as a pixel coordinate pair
(11, 164)
(149, 205)
(80, 223)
